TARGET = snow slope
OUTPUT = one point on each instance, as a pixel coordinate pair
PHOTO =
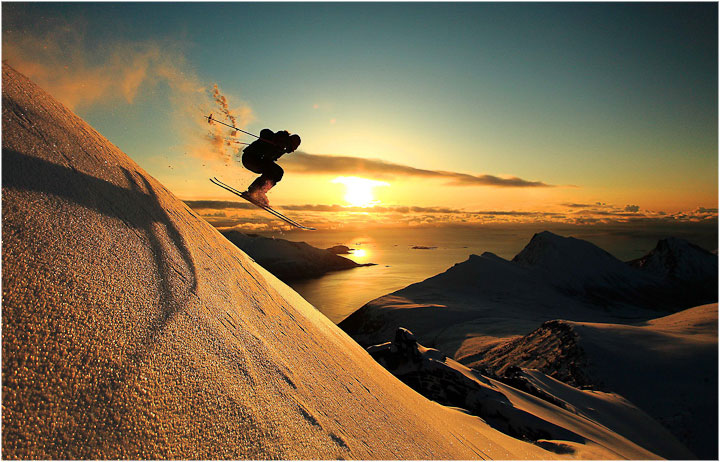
(289, 260)
(561, 419)
(133, 329)
(667, 367)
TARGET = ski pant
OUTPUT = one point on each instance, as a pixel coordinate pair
(271, 173)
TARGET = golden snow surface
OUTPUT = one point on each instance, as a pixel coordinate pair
(132, 329)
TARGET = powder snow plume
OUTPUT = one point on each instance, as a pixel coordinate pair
(218, 135)
(222, 102)
(84, 78)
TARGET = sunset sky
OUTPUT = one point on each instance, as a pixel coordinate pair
(445, 113)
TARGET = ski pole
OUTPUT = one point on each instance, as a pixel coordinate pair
(211, 120)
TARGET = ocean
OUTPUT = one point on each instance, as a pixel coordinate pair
(407, 256)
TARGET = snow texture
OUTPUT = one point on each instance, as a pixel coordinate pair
(133, 330)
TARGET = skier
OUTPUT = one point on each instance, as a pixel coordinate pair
(260, 157)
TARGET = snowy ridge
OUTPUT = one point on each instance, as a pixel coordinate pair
(552, 349)
(576, 265)
(556, 423)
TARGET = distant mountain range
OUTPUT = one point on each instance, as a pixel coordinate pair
(486, 299)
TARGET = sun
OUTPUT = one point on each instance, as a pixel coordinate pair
(359, 191)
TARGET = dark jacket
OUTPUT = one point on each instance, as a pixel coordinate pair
(263, 150)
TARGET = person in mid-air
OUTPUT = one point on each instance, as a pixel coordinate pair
(260, 157)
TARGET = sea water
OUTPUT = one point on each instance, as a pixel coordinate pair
(410, 255)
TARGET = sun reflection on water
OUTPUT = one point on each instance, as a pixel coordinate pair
(359, 253)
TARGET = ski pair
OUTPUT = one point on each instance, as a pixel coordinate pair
(247, 197)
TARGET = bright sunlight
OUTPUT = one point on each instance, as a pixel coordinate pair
(359, 191)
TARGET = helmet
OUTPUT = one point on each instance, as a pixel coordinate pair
(281, 138)
(293, 143)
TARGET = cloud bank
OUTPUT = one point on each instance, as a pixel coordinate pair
(228, 214)
(301, 162)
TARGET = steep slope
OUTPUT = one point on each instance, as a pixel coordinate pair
(133, 329)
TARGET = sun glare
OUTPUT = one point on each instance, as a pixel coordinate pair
(360, 253)
(359, 191)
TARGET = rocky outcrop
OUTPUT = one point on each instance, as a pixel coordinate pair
(552, 349)
(290, 260)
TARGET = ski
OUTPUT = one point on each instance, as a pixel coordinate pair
(268, 209)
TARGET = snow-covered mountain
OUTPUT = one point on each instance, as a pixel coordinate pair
(683, 267)
(484, 300)
(289, 260)
(552, 410)
(577, 266)
(566, 308)
(132, 329)
(666, 366)
(679, 259)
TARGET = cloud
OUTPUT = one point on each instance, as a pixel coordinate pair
(301, 162)
(83, 76)
(219, 205)
(229, 205)
(602, 208)
(226, 214)
(594, 206)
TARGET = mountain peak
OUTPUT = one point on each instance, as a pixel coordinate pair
(575, 264)
(547, 249)
(678, 258)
